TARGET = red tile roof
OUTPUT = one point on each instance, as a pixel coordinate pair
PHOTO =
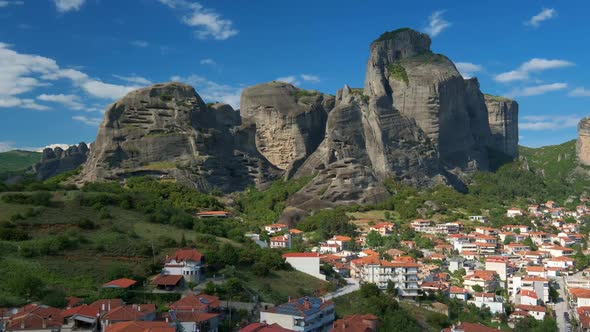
(167, 280)
(35, 317)
(130, 312)
(194, 316)
(93, 309)
(584, 316)
(140, 326)
(120, 283)
(191, 302)
(263, 327)
(183, 255)
(472, 327)
(525, 307)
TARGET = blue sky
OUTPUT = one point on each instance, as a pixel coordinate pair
(63, 61)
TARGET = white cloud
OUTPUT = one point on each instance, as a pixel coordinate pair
(106, 90)
(6, 3)
(209, 23)
(64, 6)
(63, 146)
(549, 122)
(468, 69)
(134, 79)
(545, 14)
(208, 61)
(289, 79)
(537, 90)
(436, 24)
(140, 43)
(579, 92)
(212, 91)
(23, 73)
(87, 121)
(310, 78)
(70, 101)
(6, 146)
(531, 66)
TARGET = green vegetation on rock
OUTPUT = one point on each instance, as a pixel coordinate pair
(398, 72)
(390, 34)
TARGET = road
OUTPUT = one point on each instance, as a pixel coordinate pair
(352, 286)
(561, 307)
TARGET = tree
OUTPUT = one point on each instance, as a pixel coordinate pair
(508, 239)
(477, 288)
(374, 239)
(529, 242)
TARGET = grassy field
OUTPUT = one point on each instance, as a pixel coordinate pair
(18, 160)
(281, 285)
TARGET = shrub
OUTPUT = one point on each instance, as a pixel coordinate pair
(398, 72)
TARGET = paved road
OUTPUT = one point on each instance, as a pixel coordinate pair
(352, 286)
(561, 306)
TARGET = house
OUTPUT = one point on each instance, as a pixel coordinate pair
(187, 263)
(581, 296)
(458, 293)
(168, 282)
(513, 248)
(34, 317)
(539, 237)
(490, 300)
(536, 271)
(304, 314)
(88, 316)
(408, 244)
(480, 219)
(534, 209)
(264, 327)
(584, 318)
(456, 263)
(356, 323)
(498, 265)
(536, 284)
(127, 313)
(420, 225)
(403, 274)
(196, 303)
(306, 262)
(139, 326)
(120, 283)
(383, 228)
(528, 297)
(489, 281)
(281, 242)
(486, 231)
(213, 214)
(195, 320)
(514, 212)
(556, 251)
(562, 262)
(536, 311)
(275, 228)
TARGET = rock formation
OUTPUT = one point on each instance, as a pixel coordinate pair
(417, 120)
(290, 122)
(503, 119)
(583, 144)
(56, 161)
(166, 130)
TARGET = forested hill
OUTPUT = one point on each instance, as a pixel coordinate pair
(18, 160)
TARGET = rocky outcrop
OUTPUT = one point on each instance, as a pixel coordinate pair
(56, 161)
(503, 120)
(290, 122)
(583, 144)
(167, 131)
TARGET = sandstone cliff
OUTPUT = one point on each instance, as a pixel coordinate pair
(56, 161)
(583, 144)
(166, 130)
(290, 122)
(503, 119)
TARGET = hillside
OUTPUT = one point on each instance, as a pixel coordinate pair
(60, 240)
(558, 166)
(18, 160)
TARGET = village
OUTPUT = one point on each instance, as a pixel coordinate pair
(535, 267)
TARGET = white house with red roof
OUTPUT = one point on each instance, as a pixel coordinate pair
(528, 297)
(276, 228)
(536, 311)
(305, 314)
(187, 263)
(514, 212)
(383, 228)
(458, 293)
(281, 242)
(306, 262)
(490, 300)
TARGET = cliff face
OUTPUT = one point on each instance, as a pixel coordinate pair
(56, 161)
(503, 119)
(583, 144)
(166, 130)
(290, 122)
